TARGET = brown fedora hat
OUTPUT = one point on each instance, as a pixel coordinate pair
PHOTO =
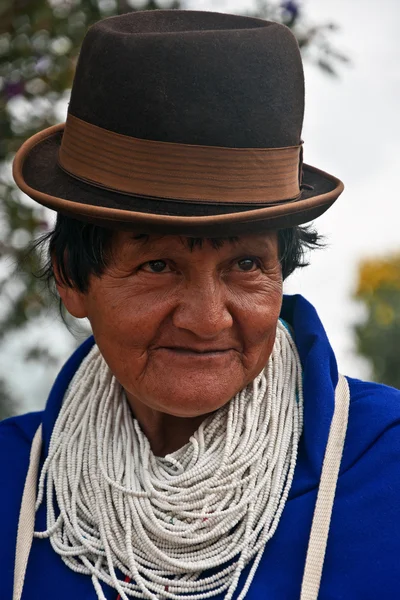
(181, 121)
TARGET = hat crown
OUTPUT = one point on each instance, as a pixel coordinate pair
(192, 77)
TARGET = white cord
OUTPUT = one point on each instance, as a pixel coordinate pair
(164, 521)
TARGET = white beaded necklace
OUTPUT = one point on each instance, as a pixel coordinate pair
(164, 522)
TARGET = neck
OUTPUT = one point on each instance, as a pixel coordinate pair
(166, 433)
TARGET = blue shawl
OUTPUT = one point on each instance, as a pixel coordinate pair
(363, 552)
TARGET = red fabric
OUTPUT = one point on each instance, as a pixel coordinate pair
(127, 580)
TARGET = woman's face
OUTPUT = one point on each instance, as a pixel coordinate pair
(183, 330)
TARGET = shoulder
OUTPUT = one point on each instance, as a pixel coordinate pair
(373, 404)
(16, 436)
(374, 421)
(19, 431)
(362, 558)
(369, 391)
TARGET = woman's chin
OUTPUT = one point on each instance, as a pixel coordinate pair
(188, 386)
(192, 396)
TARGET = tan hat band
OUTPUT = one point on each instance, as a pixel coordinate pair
(178, 171)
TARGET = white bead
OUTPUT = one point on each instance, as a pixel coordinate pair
(165, 521)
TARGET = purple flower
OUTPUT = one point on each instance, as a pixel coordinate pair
(13, 88)
(292, 8)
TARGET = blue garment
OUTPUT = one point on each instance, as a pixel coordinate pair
(363, 553)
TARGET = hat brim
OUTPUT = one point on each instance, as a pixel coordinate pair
(37, 173)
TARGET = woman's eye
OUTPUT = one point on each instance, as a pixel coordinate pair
(156, 266)
(247, 264)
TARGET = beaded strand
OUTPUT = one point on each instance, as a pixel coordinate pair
(165, 522)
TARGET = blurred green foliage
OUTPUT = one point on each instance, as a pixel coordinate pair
(378, 336)
(39, 45)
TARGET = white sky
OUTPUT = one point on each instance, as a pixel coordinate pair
(351, 130)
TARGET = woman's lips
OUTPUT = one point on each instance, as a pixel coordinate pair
(196, 354)
(183, 349)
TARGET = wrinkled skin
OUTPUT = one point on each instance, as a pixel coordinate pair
(183, 330)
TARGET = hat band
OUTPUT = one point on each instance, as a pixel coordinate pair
(191, 173)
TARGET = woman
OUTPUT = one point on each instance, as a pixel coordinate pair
(182, 448)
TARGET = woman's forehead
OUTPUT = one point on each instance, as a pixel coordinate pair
(140, 242)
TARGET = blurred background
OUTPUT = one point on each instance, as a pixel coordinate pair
(351, 55)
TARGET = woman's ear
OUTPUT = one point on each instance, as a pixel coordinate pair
(73, 299)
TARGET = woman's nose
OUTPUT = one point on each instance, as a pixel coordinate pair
(203, 310)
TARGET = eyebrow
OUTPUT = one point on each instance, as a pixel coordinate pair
(194, 242)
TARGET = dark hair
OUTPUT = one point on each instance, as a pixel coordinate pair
(82, 249)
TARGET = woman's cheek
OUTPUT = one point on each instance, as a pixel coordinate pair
(260, 316)
(262, 303)
(128, 316)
